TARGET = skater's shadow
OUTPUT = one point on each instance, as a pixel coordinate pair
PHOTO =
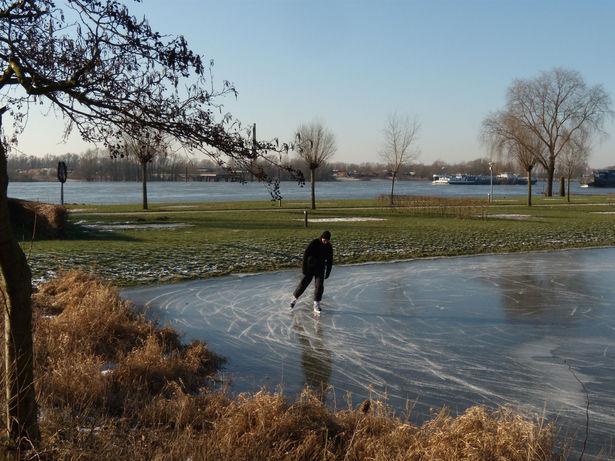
(316, 359)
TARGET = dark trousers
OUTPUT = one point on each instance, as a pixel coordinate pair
(319, 285)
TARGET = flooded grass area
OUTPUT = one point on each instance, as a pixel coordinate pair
(130, 246)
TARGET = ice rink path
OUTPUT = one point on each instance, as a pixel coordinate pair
(493, 330)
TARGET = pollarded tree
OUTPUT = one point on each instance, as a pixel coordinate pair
(144, 147)
(507, 137)
(107, 73)
(554, 106)
(315, 145)
(400, 134)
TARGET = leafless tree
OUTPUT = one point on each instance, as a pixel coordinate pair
(509, 138)
(400, 135)
(315, 145)
(572, 162)
(107, 73)
(554, 106)
(144, 147)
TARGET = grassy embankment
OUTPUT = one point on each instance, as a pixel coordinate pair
(257, 236)
(112, 385)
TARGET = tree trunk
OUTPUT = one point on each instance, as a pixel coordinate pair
(313, 183)
(550, 176)
(529, 186)
(392, 188)
(568, 190)
(144, 178)
(15, 296)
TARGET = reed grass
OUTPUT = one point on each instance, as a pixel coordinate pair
(37, 220)
(114, 385)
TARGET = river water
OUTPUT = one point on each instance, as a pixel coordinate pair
(528, 330)
(176, 192)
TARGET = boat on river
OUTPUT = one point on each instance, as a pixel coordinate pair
(469, 180)
(511, 179)
(507, 179)
(600, 178)
(440, 179)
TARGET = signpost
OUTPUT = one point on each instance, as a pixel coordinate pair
(62, 175)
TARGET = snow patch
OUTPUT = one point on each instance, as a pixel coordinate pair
(519, 217)
(133, 226)
(347, 219)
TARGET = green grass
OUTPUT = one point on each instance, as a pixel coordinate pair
(258, 236)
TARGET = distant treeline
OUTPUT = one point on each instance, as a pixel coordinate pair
(97, 165)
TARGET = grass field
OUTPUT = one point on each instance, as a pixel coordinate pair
(185, 241)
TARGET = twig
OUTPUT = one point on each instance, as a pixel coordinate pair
(586, 409)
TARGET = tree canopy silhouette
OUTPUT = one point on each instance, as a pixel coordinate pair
(106, 73)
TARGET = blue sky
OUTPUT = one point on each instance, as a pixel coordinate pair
(351, 63)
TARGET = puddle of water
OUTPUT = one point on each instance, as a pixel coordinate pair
(490, 330)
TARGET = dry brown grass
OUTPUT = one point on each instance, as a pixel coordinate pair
(155, 404)
(41, 219)
(417, 205)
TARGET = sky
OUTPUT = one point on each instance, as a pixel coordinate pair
(351, 63)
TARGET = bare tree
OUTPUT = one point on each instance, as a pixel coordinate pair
(554, 106)
(144, 148)
(572, 161)
(315, 145)
(400, 135)
(107, 73)
(506, 136)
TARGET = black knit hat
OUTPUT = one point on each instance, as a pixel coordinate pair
(326, 235)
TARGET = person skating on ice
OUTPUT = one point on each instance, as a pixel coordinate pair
(317, 263)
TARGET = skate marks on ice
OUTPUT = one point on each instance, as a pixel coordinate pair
(457, 331)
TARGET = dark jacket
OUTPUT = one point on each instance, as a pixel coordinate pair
(318, 258)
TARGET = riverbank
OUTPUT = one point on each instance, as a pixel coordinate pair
(172, 242)
(176, 242)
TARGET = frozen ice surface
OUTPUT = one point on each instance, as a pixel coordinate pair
(490, 330)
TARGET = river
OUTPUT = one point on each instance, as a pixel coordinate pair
(88, 193)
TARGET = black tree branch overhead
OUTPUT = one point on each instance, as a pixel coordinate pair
(108, 74)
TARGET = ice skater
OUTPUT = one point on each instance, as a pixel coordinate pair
(317, 263)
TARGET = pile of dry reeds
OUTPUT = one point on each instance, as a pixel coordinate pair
(112, 385)
(36, 219)
(418, 205)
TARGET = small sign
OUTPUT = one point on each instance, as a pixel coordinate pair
(62, 172)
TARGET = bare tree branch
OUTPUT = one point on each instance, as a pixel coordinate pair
(555, 106)
(315, 145)
(400, 134)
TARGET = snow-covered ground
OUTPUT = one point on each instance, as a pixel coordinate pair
(456, 331)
